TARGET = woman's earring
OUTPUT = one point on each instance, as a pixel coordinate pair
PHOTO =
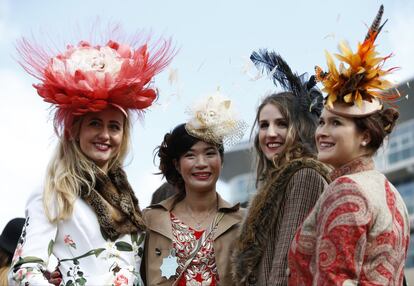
(364, 143)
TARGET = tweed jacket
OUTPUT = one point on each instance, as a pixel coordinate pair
(357, 234)
(274, 214)
(159, 240)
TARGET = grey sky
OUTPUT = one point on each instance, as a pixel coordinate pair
(215, 39)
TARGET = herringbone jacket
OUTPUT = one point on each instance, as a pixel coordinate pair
(274, 215)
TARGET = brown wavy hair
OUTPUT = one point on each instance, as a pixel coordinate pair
(378, 125)
(300, 138)
(5, 261)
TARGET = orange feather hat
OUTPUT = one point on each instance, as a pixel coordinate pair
(357, 87)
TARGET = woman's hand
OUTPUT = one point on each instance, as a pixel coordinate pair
(54, 277)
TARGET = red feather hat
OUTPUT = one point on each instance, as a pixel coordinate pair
(89, 78)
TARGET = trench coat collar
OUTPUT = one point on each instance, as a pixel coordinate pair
(161, 223)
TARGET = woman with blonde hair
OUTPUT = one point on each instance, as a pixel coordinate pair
(87, 215)
(358, 233)
(289, 179)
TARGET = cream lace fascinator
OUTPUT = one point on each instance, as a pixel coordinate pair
(213, 119)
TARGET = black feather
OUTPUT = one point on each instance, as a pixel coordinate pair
(280, 71)
(376, 26)
(311, 82)
(306, 93)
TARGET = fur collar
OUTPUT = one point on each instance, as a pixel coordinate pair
(115, 204)
(262, 213)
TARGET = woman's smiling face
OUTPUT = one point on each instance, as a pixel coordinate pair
(338, 140)
(273, 128)
(101, 134)
(200, 167)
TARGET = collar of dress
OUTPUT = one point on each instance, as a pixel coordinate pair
(360, 164)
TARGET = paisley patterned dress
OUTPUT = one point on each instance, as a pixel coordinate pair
(357, 233)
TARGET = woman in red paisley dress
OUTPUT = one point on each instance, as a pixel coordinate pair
(191, 234)
(358, 231)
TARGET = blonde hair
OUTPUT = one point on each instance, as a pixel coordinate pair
(4, 272)
(69, 170)
(5, 260)
(299, 141)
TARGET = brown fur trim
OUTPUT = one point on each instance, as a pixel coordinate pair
(262, 213)
(115, 204)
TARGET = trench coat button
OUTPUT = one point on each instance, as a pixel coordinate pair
(157, 251)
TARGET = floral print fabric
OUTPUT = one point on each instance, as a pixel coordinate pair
(83, 256)
(203, 270)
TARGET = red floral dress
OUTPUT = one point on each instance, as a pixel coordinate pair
(357, 233)
(203, 270)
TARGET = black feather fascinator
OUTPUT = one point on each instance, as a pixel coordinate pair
(309, 99)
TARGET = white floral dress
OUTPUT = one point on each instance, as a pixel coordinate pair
(84, 256)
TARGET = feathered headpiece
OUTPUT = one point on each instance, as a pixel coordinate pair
(358, 89)
(213, 119)
(89, 78)
(308, 97)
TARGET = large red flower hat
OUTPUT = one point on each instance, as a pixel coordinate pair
(88, 78)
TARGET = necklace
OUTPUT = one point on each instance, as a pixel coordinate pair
(199, 224)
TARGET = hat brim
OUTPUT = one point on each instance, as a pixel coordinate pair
(367, 108)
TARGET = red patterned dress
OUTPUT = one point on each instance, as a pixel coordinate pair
(357, 233)
(203, 270)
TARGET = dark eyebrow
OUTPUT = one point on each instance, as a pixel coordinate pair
(115, 121)
(206, 149)
(276, 119)
(335, 118)
(329, 117)
(209, 149)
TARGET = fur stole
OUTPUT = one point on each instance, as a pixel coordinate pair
(115, 204)
(262, 213)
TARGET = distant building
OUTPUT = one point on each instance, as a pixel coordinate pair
(395, 160)
(237, 172)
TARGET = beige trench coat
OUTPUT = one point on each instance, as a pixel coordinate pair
(159, 240)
